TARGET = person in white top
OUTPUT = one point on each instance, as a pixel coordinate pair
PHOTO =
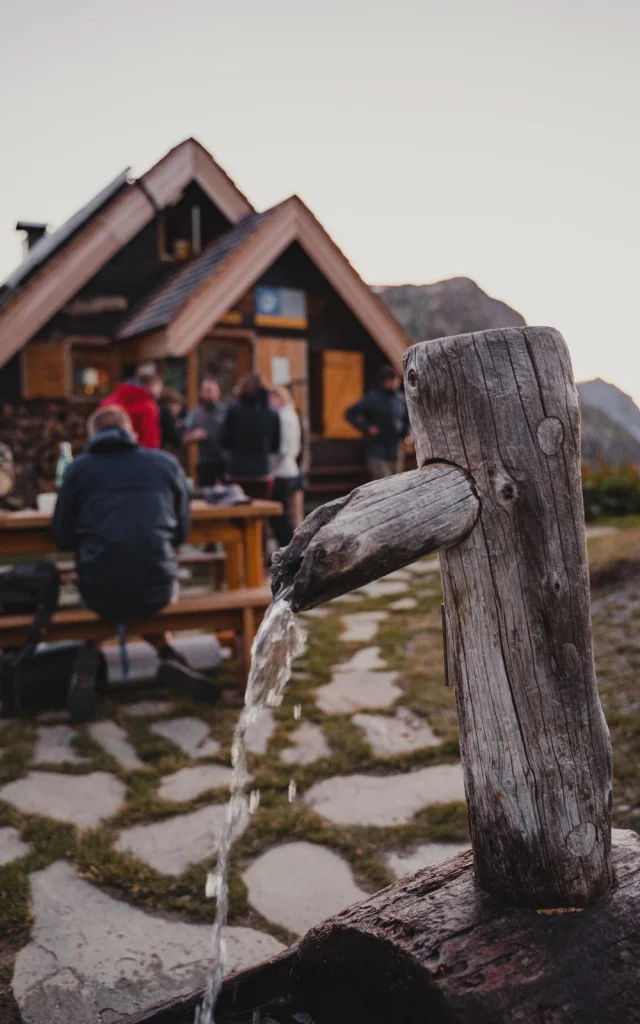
(285, 470)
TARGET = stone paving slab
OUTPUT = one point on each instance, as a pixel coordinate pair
(367, 659)
(398, 734)
(169, 846)
(405, 604)
(94, 960)
(115, 742)
(316, 613)
(83, 800)
(385, 799)
(356, 690)
(147, 708)
(309, 744)
(383, 588)
(297, 885)
(361, 627)
(188, 783)
(53, 746)
(11, 845)
(191, 735)
(407, 862)
(424, 567)
(397, 574)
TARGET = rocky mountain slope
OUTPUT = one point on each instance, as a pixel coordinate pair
(610, 418)
(604, 440)
(615, 403)
(428, 311)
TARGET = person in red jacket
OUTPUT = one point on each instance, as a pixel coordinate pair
(136, 397)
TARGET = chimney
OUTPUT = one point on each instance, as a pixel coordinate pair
(34, 232)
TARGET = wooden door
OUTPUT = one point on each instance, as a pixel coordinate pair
(227, 359)
(285, 361)
(342, 386)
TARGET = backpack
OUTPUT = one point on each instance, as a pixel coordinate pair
(30, 588)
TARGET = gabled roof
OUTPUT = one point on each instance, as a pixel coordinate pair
(71, 257)
(160, 308)
(199, 295)
(49, 244)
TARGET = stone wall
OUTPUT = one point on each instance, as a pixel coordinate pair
(33, 429)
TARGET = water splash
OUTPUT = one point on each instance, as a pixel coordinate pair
(297, 712)
(293, 789)
(277, 644)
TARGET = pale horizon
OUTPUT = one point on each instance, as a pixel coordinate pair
(497, 143)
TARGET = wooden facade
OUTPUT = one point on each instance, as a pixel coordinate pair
(178, 268)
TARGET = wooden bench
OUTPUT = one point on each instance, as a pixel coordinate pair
(231, 612)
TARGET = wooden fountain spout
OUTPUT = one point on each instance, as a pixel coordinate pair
(496, 422)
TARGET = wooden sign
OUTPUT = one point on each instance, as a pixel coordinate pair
(281, 307)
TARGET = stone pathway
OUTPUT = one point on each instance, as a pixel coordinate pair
(384, 799)
(297, 885)
(99, 954)
(169, 846)
(95, 959)
(113, 740)
(11, 846)
(407, 862)
(361, 627)
(387, 735)
(191, 735)
(188, 783)
(53, 746)
(82, 800)
(309, 744)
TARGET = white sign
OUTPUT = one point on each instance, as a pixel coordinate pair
(280, 370)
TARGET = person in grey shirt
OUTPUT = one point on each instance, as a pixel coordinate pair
(203, 427)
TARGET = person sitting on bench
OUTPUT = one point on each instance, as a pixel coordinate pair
(124, 510)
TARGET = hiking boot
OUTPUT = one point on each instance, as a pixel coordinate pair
(82, 696)
(174, 670)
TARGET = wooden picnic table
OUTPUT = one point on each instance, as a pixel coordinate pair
(238, 527)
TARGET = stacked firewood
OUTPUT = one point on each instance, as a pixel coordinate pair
(33, 430)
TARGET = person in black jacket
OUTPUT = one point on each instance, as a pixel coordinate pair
(250, 434)
(124, 510)
(381, 415)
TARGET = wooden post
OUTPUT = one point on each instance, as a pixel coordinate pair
(535, 747)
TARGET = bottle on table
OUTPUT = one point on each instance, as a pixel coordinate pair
(65, 458)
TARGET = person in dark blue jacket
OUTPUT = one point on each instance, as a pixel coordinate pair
(381, 415)
(124, 510)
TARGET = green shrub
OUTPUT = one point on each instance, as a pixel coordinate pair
(610, 491)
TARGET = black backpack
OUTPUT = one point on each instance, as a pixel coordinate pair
(30, 588)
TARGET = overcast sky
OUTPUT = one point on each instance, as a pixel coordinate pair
(496, 140)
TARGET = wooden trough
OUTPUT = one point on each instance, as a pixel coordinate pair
(541, 922)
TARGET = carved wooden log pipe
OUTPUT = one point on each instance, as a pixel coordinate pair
(496, 422)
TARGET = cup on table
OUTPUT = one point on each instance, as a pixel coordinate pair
(47, 502)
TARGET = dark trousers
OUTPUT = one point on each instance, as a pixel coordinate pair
(282, 526)
(211, 473)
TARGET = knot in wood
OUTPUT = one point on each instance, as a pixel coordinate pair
(550, 435)
(504, 487)
(581, 839)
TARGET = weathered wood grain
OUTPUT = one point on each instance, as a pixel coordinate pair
(535, 746)
(379, 527)
(436, 949)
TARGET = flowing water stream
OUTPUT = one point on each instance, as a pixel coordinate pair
(277, 644)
